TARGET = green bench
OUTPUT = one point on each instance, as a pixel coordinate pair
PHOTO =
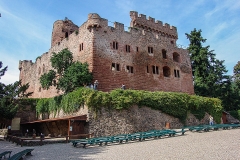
(3, 154)
(20, 155)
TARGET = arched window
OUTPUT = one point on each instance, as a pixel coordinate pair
(66, 34)
(39, 70)
(166, 71)
(164, 53)
(176, 57)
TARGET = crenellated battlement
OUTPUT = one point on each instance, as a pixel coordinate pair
(24, 63)
(149, 23)
(95, 21)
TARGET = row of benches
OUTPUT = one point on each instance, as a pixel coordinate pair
(214, 127)
(140, 136)
(16, 156)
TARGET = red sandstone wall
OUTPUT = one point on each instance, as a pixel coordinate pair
(97, 38)
(105, 55)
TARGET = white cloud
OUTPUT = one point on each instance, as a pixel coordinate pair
(12, 73)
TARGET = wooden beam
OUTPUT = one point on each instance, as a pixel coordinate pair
(68, 127)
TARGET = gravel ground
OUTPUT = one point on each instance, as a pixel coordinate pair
(217, 145)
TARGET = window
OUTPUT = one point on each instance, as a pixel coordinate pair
(176, 73)
(66, 35)
(43, 69)
(115, 67)
(176, 57)
(147, 70)
(39, 70)
(166, 71)
(127, 48)
(115, 45)
(155, 70)
(137, 49)
(129, 69)
(81, 47)
(150, 49)
(164, 54)
(39, 89)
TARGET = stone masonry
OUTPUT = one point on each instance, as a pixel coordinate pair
(145, 57)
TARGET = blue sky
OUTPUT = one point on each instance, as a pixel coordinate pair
(26, 26)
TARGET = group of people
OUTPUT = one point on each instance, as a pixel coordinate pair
(95, 85)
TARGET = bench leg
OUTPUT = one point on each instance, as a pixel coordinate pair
(29, 154)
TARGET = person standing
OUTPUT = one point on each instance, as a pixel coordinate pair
(123, 87)
(210, 120)
(95, 85)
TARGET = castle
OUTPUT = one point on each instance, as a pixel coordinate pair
(145, 57)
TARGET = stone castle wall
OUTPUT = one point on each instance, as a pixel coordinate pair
(135, 119)
(94, 43)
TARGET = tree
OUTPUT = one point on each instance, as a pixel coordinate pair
(236, 74)
(208, 72)
(2, 71)
(9, 95)
(67, 75)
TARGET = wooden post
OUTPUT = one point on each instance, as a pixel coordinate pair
(21, 142)
(69, 127)
(66, 139)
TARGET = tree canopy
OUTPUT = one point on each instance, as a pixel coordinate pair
(236, 72)
(209, 73)
(66, 75)
(9, 94)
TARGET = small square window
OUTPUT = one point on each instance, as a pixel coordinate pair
(115, 45)
(150, 49)
(81, 47)
(164, 54)
(127, 48)
(129, 69)
(155, 70)
(115, 67)
(176, 73)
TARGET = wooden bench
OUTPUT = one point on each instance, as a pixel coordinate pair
(20, 155)
(3, 154)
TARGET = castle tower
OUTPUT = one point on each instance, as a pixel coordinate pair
(62, 29)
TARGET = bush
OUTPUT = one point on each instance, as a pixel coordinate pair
(175, 104)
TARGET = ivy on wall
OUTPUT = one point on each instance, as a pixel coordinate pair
(172, 103)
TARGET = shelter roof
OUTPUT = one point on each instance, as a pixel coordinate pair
(72, 118)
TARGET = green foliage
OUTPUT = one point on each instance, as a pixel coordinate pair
(48, 79)
(76, 32)
(75, 76)
(8, 98)
(67, 75)
(2, 71)
(236, 72)
(121, 99)
(208, 72)
(43, 105)
(235, 114)
(175, 104)
(61, 61)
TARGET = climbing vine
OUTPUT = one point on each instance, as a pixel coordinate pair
(175, 104)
